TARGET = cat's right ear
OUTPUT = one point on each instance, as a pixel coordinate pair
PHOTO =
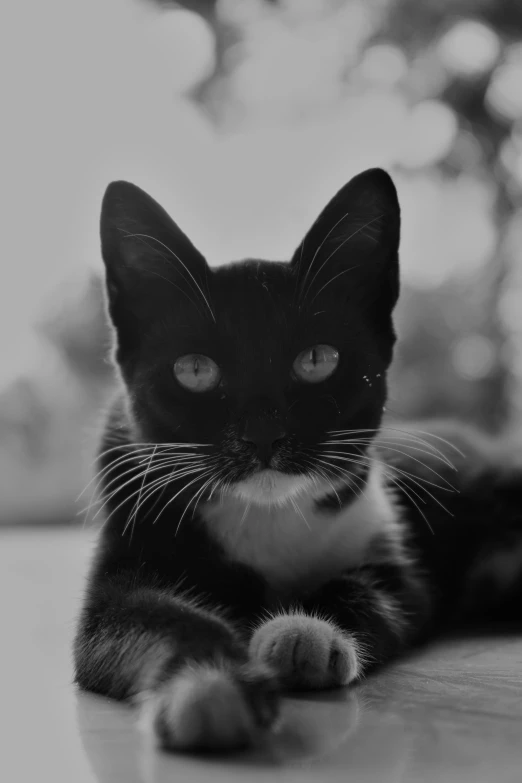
(146, 255)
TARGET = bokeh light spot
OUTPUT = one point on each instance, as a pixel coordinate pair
(187, 44)
(504, 95)
(469, 48)
(429, 134)
(510, 309)
(384, 64)
(473, 356)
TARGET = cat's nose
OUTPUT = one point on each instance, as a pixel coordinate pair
(264, 435)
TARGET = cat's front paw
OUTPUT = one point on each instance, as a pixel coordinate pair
(306, 652)
(205, 708)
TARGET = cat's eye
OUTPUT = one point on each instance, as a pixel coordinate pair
(197, 372)
(316, 364)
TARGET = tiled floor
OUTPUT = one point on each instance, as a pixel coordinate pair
(453, 714)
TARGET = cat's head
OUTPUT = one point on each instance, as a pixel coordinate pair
(278, 367)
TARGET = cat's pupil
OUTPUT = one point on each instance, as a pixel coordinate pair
(197, 372)
(316, 363)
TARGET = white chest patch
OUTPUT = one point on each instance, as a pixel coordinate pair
(270, 523)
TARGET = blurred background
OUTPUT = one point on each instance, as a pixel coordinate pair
(243, 117)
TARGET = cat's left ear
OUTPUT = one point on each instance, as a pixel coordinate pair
(353, 247)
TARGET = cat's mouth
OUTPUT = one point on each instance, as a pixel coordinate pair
(268, 487)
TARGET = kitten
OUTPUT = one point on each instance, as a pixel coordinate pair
(253, 541)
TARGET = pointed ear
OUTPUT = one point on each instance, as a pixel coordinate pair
(147, 257)
(353, 247)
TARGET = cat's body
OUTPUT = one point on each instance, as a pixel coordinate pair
(258, 537)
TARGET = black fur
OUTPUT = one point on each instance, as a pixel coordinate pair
(163, 592)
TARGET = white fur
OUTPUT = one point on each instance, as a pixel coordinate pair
(271, 488)
(199, 708)
(307, 652)
(270, 523)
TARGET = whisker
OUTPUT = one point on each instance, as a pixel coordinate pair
(364, 459)
(143, 446)
(413, 433)
(432, 452)
(442, 440)
(158, 484)
(394, 479)
(138, 473)
(153, 486)
(134, 514)
(334, 251)
(173, 498)
(176, 473)
(343, 272)
(169, 250)
(174, 478)
(99, 475)
(324, 475)
(346, 475)
(124, 458)
(400, 485)
(450, 487)
(296, 507)
(245, 512)
(211, 480)
(197, 495)
(435, 454)
(194, 496)
(318, 249)
(140, 458)
(416, 480)
(382, 444)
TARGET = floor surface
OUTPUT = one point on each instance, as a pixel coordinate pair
(451, 714)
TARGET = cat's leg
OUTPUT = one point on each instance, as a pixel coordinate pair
(184, 664)
(363, 618)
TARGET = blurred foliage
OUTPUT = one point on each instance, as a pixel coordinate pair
(448, 73)
(79, 329)
(261, 108)
(418, 27)
(457, 61)
(420, 21)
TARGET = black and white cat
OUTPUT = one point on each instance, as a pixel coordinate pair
(253, 541)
